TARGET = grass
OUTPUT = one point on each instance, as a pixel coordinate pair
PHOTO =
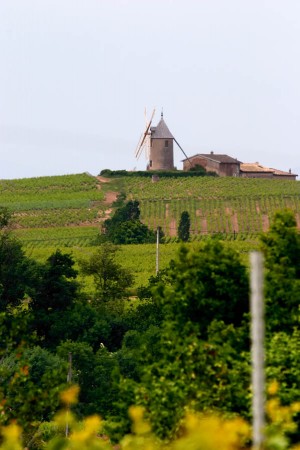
(139, 259)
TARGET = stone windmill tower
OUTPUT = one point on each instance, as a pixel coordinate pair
(161, 155)
(158, 144)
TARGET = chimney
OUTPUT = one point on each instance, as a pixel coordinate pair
(290, 170)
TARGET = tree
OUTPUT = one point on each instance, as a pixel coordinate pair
(188, 373)
(184, 227)
(197, 356)
(110, 278)
(30, 387)
(133, 232)
(55, 295)
(83, 365)
(198, 168)
(125, 226)
(5, 217)
(210, 284)
(283, 362)
(281, 248)
(58, 287)
(18, 274)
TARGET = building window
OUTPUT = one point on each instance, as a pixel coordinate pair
(166, 143)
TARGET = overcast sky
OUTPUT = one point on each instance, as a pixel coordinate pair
(77, 75)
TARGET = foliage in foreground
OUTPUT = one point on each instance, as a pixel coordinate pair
(197, 431)
(184, 347)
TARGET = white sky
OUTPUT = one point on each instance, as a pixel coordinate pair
(76, 76)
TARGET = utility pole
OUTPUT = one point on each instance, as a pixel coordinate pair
(257, 350)
(157, 250)
(69, 380)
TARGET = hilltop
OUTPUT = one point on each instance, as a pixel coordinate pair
(71, 208)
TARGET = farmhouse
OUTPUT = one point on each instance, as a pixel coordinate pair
(223, 165)
(226, 166)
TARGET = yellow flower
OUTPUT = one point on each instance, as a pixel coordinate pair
(92, 423)
(295, 407)
(12, 436)
(136, 413)
(273, 388)
(91, 426)
(139, 426)
(70, 396)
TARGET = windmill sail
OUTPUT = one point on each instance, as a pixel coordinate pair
(144, 137)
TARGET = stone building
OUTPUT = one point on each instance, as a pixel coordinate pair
(226, 166)
(223, 165)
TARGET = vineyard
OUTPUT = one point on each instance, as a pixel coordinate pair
(67, 211)
(55, 211)
(234, 207)
(228, 216)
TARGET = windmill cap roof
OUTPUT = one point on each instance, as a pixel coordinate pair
(161, 131)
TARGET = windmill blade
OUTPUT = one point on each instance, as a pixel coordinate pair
(138, 147)
(143, 137)
(183, 152)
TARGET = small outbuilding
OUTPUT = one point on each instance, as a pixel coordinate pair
(256, 170)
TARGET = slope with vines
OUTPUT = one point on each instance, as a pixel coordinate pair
(216, 205)
(59, 209)
(69, 210)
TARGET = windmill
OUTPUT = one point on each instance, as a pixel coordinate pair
(144, 142)
(157, 143)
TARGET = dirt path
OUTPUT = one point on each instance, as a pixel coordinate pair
(265, 222)
(103, 179)
(110, 197)
(173, 228)
(167, 210)
(235, 222)
(204, 225)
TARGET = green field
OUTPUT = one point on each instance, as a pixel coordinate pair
(66, 212)
(140, 259)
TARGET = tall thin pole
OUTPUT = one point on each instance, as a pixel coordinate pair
(69, 377)
(257, 349)
(69, 380)
(157, 251)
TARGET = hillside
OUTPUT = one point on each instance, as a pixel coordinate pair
(216, 205)
(68, 210)
(57, 210)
